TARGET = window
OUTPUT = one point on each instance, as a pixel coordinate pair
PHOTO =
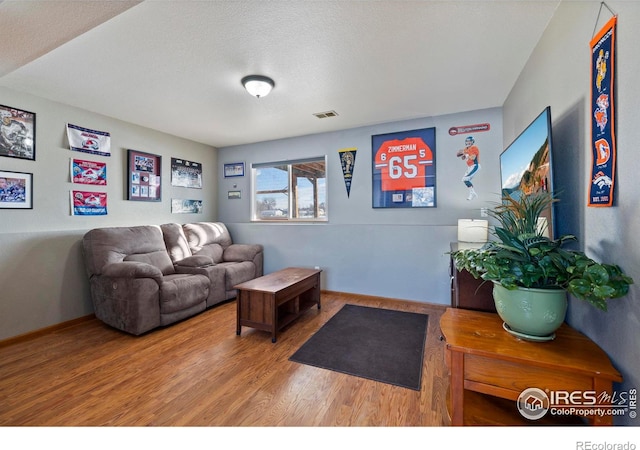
(290, 190)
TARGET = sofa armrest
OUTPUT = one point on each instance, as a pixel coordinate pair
(132, 269)
(195, 261)
(241, 252)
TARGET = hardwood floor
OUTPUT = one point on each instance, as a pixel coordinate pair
(199, 373)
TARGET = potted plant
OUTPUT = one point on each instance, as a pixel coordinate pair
(523, 263)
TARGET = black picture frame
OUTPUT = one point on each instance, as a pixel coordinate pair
(16, 190)
(186, 173)
(17, 133)
(144, 183)
(403, 168)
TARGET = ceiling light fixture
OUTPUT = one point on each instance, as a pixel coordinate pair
(257, 85)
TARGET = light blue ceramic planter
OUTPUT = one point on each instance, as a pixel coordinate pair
(535, 313)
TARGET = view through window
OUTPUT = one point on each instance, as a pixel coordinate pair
(290, 190)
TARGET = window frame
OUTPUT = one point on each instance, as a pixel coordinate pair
(255, 217)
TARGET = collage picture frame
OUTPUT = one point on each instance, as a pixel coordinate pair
(144, 182)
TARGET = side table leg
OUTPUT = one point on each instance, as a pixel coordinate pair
(457, 388)
(238, 312)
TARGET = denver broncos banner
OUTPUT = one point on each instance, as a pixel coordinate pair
(347, 160)
(602, 122)
(89, 141)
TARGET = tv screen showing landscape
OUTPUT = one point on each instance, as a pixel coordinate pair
(525, 165)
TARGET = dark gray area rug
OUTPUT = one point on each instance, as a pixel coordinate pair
(379, 344)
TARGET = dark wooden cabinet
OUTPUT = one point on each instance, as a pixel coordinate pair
(466, 291)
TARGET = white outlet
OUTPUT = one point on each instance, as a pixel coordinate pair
(483, 212)
(317, 267)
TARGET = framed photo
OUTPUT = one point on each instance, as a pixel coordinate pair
(17, 133)
(234, 195)
(16, 190)
(186, 173)
(404, 169)
(144, 184)
(183, 206)
(234, 170)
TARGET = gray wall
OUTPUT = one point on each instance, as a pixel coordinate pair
(398, 253)
(557, 74)
(42, 277)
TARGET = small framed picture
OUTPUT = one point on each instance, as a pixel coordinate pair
(182, 206)
(234, 170)
(144, 176)
(18, 133)
(234, 195)
(16, 190)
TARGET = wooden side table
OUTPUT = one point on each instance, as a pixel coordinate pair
(485, 359)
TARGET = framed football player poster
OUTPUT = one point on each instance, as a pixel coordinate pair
(404, 169)
(17, 133)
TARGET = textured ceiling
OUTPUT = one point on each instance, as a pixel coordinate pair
(176, 66)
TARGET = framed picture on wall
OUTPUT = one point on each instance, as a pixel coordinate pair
(16, 190)
(17, 133)
(184, 206)
(404, 169)
(186, 173)
(234, 195)
(144, 184)
(234, 170)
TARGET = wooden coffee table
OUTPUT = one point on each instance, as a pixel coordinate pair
(273, 301)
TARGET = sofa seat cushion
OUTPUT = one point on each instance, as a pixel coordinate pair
(103, 246)
(159, 259)
(207, 238)
(242, 252)
(195, 261)
(213, 251)
(175, 241)
(238, 272)
(182, 291)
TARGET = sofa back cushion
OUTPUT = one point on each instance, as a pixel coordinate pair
(104, 246)
(175, 241)
(208, 239)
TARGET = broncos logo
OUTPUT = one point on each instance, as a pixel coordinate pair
(601, 180)
(603, 151)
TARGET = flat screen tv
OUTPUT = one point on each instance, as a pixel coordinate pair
(526, 165)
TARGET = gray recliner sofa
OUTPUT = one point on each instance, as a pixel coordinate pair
(206, 248)
(141, 278)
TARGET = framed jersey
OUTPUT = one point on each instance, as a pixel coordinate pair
(404, 169)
